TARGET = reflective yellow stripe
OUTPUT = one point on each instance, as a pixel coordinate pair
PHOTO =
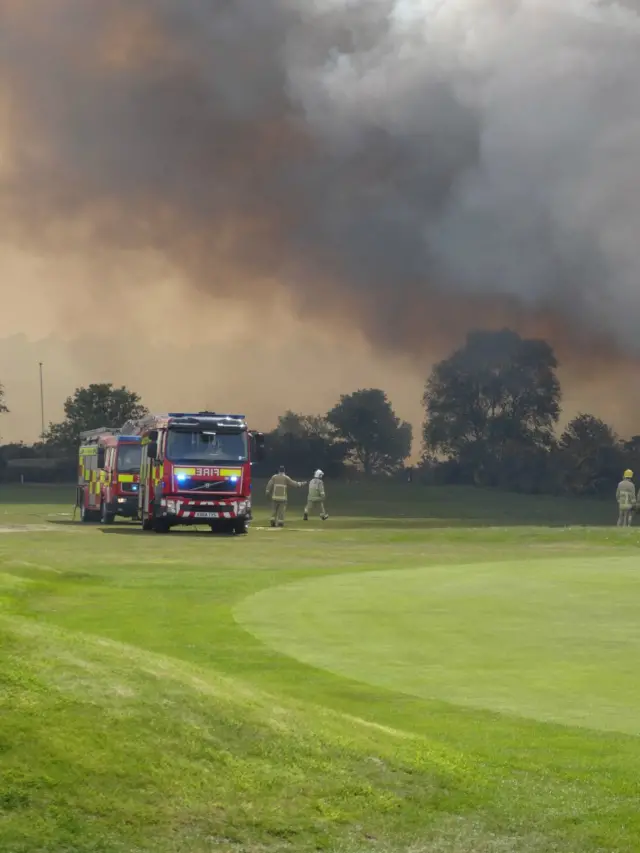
(190, 471)
(125, 478)
(230, 472)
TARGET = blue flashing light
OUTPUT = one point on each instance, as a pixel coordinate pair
(233, 479)
(134, 487)
(181, 477)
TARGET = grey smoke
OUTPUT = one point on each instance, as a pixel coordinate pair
(381, 158)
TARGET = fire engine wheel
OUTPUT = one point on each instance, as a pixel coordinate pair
(160, 526)
(106, 517)
(224, 526)
(239, 527)
(87, 515)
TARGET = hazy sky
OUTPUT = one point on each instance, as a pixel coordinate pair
(259, 206)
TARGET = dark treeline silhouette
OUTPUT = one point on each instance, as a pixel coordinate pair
(54, 458)
(360, 435)
(491, 414)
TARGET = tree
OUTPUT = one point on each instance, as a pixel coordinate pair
(305, 426)
(303, 441)
(98, 405)
(376, 440)
(589, 457)
(489, 402)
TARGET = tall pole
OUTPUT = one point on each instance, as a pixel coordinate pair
(41, 402)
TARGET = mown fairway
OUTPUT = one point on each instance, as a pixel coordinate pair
(432, 670)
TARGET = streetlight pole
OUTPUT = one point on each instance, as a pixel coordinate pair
(41, 401)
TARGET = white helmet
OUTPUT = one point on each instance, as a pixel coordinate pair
(319, 473)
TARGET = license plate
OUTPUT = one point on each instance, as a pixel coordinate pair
(204, 515)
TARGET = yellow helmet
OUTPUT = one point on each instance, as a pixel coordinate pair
(628, 474)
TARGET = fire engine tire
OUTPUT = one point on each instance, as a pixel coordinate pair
(224, 527)
(160, 526)
(240, 527)
(106, 517)
(87, 515)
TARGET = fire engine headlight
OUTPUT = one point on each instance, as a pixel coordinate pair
(241, 507)
(172, 506)
(122, 500)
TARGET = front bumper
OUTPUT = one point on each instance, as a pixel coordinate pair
(192, 511)
(126, 506)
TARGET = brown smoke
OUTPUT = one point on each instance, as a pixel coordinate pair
(401, 174)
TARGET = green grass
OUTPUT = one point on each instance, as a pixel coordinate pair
(432, 670)
(554, 639)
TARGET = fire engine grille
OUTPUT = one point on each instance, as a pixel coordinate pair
(189, 484)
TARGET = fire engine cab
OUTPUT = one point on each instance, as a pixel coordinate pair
(196, 470)
(108, 475)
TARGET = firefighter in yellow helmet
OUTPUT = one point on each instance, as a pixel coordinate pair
(626, 497)
(277, 490)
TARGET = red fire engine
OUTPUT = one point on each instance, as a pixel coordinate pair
(195, 470)
(108, 475)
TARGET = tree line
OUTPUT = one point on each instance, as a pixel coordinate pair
(491, 414)
(361, 432)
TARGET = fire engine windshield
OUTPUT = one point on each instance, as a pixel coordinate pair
(206, 447)
(129, 456)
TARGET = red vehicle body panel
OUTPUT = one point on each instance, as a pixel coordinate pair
(108, 475)
(195, 491)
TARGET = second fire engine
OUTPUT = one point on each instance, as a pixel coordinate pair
(108, 475)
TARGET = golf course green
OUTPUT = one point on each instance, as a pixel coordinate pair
(434, 670)
(554, 640)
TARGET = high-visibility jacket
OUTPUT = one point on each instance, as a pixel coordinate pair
(316, 489)
(626, 494)
(277, 487)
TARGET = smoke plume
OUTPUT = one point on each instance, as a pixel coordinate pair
(406, 168)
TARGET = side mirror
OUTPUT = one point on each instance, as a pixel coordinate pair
(153, 435)
(152, 450)
(101, 455)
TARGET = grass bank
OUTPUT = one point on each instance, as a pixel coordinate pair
(327, 687)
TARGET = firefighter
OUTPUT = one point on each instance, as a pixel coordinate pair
(626, 497)
(277, 491)
(316, 496)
